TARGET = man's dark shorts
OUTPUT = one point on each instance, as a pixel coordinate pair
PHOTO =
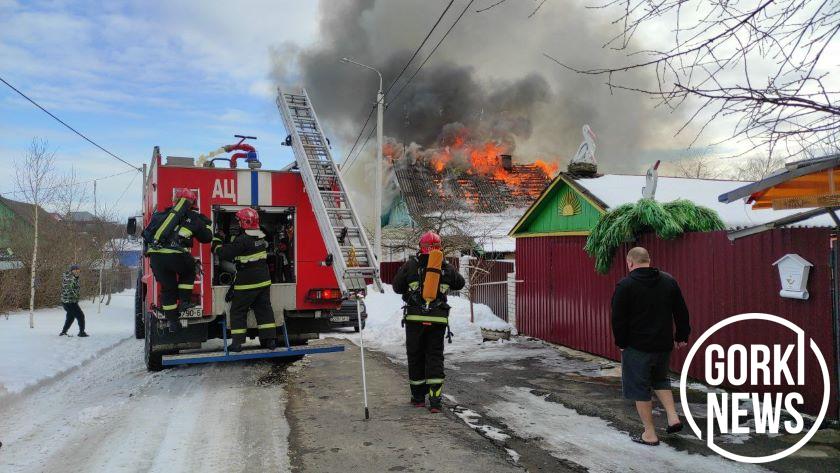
(642, 371)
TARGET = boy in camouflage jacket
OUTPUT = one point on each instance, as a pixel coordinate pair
(70, 292)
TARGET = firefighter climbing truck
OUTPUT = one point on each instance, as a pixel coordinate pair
(318, 253)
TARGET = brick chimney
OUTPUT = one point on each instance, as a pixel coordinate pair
(507, 161)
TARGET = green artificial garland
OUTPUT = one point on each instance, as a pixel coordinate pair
(626, 222)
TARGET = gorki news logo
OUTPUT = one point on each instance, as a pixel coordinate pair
(769, 380)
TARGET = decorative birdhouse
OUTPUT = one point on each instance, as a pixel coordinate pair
(793, 271)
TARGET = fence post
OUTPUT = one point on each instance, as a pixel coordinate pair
(511, 300)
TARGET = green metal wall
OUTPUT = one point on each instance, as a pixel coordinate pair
(548, 217)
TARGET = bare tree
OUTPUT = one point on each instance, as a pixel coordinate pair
(35, 179)
(764, 65)
(699, 167)
(756, 169)
(70, 196)
(107, 237)
(451, 222)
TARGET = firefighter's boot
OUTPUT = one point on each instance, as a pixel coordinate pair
(271, 343)
(235, 346)
(174, 325)
(435, 404)
(418, 395)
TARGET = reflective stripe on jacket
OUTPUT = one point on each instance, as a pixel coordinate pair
(249, 252)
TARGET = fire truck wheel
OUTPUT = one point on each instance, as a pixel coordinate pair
(154, 359)
(139, 297)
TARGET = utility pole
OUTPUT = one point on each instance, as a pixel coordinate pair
(377, 210)
(102, 257)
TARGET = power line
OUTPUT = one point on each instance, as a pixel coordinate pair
(125, 190)
(431, 53)
(68, 126)
(347, 166)
(72, 184)
(416, 51)
(359, 136)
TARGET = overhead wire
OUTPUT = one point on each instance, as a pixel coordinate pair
(72, 184)
(362, 130)
(349, 164)
(68, 126)
(422, 43)
(464, 11)
(405, 67)
(125, 190)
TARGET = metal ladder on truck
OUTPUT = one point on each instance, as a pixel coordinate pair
(350, 253)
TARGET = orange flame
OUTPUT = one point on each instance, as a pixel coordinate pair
(550, 169)
(484, 159)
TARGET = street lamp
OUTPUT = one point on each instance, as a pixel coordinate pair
(380, 107)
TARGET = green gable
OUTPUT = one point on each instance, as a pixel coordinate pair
(562, 209)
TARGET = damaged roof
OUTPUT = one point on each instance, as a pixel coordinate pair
(424, 189)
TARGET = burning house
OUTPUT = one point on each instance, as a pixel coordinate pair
(469, 192)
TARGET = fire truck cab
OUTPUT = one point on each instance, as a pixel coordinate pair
(304, 289)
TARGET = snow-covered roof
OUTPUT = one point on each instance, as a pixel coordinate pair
(617, 189)
(491, 230)
(127, 244)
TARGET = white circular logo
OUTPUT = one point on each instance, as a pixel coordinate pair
(765, 365)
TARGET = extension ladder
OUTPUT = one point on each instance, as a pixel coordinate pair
(349, 251)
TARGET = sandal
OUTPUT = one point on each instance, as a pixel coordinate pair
(638, 439)
(672, 429)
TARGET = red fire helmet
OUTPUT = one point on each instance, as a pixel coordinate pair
(249, 219)
(429, 241)
(184, 193)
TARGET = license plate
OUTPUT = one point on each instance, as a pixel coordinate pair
(341, 318)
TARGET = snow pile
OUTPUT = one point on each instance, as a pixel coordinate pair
(385, 333)
(29, 356)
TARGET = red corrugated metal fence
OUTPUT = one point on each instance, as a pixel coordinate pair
(563, 300)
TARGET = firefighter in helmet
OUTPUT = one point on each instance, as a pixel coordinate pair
(169, 240)
(426, 323)
(252, 284)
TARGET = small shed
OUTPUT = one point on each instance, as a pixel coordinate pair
(561, 298)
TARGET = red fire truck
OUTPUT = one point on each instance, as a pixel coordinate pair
(318, 252)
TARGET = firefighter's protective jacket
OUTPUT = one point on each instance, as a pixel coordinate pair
(173, 229)
(409, 283)
(249, 251)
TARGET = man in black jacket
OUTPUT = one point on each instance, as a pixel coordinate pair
(646, 306)
(425, 324)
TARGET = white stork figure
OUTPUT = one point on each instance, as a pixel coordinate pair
(649, 190)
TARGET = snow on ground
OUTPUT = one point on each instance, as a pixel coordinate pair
(473, 418)
(112, 416)
(592, 442)
(384, 332)
(29, 356)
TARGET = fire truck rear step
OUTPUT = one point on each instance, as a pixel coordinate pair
(337, 220)
(247, 354)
